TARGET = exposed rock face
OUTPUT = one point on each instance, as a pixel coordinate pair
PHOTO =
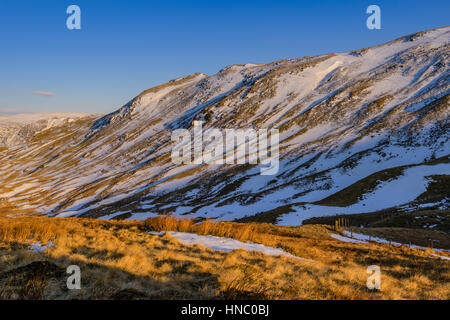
(359, 131)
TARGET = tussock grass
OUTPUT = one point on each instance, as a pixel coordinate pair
(121, 260)
(237, 231)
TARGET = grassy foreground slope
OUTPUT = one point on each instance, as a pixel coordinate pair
(121, 260)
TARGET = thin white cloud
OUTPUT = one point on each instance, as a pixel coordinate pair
(43, 93)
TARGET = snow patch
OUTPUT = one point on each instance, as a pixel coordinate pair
(346, 239)
(38, 247)
(225, 244)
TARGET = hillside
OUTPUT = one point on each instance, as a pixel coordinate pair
(21, 128)
(132, 260)
(360, 131)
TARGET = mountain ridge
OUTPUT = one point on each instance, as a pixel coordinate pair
(342, 117)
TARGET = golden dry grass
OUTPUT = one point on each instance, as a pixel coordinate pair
(121, 260)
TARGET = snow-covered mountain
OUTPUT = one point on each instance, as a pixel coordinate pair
(360, 131)
(20, 128)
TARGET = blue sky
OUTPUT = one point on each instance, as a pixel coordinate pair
(125, 47)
